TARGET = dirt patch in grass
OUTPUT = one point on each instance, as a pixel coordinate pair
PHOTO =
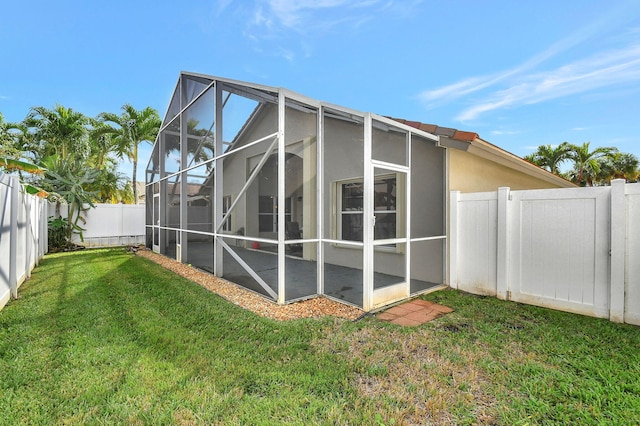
(413, 381)
(311, 308)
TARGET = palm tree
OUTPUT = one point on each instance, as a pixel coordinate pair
(9, 146)
(111, 186)
(587, 163)
(60, 141)
(11, 157)
(620, 165)
(60, 132)
(5, 137)
(550, 158)
(101, 145)
(127, 130)
(200, 143)
(7, 149)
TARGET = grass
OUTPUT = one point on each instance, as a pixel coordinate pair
(103, 337)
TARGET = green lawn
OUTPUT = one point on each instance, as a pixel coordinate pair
(103, 337)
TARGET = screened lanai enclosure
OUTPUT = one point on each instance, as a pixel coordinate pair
(292, 197)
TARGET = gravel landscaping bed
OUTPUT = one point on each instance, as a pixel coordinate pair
(316, 307)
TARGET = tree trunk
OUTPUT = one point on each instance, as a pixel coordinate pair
(134, 182)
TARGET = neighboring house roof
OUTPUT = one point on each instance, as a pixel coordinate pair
(472, 143)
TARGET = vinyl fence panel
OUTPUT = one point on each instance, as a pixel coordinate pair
(476, 243)
(22, 231)
(22, 235)
(632, 255)
(575, 249)
(110, 225)
(559, 249)
(5, 239)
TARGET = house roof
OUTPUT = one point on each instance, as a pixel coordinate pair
(440, 131)
(471, 142)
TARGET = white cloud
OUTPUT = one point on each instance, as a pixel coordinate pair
(457, 90)
(221, 5)
(277, 18)
(527, 84)
(474, 84)
(290, 27)
(296, 14)
(504, 132)
(259, 18)
(502, 99)
(286, 54)
(603, 69)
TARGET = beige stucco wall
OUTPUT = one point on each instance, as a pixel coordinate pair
(471, 173)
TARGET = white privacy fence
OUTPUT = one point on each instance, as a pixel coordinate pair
(575, 249)
(23, 235)
(109, 225)
(23, 231)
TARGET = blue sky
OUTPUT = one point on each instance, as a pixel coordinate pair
(519, 73)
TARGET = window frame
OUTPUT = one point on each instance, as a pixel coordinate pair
(227, 200)
(273, 214)
(337, 209)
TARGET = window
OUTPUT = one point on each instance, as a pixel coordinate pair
(384, 207)
(350, 209)
(268, 213)
(226, 203)
(267, 216)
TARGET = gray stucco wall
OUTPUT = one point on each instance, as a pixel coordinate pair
(343, 159)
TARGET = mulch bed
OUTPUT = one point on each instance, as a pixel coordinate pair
(311, 308)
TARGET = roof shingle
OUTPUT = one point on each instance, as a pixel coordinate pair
(439, 131)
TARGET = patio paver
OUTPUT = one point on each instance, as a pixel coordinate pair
(413, 313)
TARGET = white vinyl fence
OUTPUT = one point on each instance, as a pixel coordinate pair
(23, 235)
(110, 225)
(575, 249)
(23, 231)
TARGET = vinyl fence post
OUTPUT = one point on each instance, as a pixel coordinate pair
(502, 258)
(453, 238)
(42, 230)
(28, 203)
(13, 238)
(45, 227)
(617, 250)
(36, 230)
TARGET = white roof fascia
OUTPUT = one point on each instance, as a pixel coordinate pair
(340, 108)
(289, 94)
(237, 82)
(171, 98)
